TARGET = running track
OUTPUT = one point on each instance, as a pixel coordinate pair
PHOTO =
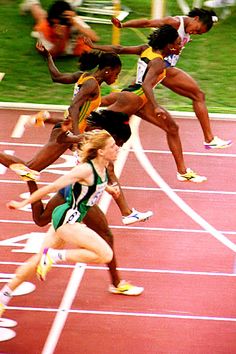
(184, 255)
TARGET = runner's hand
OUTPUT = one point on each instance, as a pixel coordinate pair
(42, 50)
(116, 22)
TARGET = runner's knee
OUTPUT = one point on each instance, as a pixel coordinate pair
(106, 256)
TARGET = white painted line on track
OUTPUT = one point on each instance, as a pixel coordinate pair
(180, 316)
(142, 158)
(137, 270)
(62, 108)
(19, 128)
(167, 152)
(136, 188)
(64, 308)
(126, 227)
(208, 154)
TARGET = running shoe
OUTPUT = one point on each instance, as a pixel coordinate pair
(44, 266)
(190, 176)
(136, 216)
(217, 143)
(2, 309)
(125, 288)
(38, 119)
(25, 173)
(219, 3)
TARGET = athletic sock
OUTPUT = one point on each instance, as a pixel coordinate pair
(5, 295)
(57, 255)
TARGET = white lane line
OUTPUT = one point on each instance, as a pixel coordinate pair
(129, 314)
(142, 158)
(156, 189)
(136, 270)
(64, 309)
(208, 154)
(162, 229)
(20, 144)
(19, 128)
(62, 108)
(198, 191)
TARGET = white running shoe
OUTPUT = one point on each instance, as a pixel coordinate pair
(190, 176)
(38, 119)
(136, 216)
(125, 288)
(219, 3)
(217, 143)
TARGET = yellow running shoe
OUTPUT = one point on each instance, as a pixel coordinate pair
(190, 176)
(125, 288)
(2, 309)
(44, 266)
(25, 173)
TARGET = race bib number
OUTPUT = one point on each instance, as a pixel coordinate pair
(141, 68)
(97, 194)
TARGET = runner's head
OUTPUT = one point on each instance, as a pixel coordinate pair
(201, 21)
(116, 123)
(165, 39)
(109, 64)
(98, 143)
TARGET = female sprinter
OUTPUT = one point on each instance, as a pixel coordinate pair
(88, 180)
(198, 21)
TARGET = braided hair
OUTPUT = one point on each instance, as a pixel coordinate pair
(91, 60)
(207, 17)
(162, 36)
(116, 123)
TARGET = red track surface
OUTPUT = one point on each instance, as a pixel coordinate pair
(189, 301)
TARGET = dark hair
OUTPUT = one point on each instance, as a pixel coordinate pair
(205, 16)
(56, 10)
(162, 36)
(116, 123)
(90, 60)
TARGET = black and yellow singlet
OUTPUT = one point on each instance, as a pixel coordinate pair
(146, 56)
(89, 105)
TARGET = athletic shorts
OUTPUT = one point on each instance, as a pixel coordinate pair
(137, 90)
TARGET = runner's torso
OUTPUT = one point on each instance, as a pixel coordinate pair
(89, 105)
(146, 56)
(172, 59)
(79, 199)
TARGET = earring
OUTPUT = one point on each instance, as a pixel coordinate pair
(106, 72)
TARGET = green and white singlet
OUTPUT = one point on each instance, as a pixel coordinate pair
(81, 197)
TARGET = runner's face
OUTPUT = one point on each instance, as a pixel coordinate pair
(113, 75)
(176, 46)
(110, 150)
(196, 27)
